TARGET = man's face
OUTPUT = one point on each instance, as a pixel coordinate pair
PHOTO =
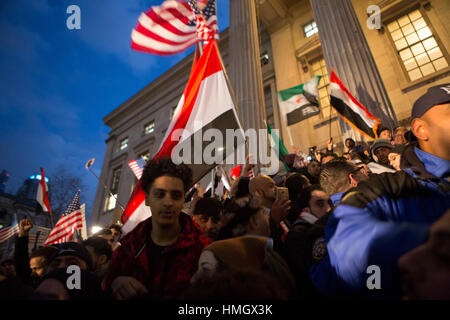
(116, 234)
(166, 199)
(350, 144)
(38, 266)
(108, 237)
(314, 169)
(438, 119)
(385, 134)
(320, 203)
(268, 189)
(400, 136)
(210, 225)
(66, 261)
(382, 154)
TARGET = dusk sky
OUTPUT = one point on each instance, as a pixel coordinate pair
(57, 84)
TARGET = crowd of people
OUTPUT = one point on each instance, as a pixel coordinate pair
(372, 223)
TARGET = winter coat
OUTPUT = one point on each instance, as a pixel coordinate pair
(164, 271)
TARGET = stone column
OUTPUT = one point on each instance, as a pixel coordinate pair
(245, 71)
(345, 50)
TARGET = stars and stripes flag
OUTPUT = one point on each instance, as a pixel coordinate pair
(9, 232)
(174, 26)
(137, 166)
(206, 100)
(72, 219)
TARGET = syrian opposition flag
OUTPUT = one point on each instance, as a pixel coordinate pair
(277, 146)
(42, 194)
(351, 110)
(206, 103)
(300, 102)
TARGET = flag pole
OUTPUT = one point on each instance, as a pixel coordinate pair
(106, 188)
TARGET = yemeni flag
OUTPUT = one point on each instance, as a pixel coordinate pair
(351, 110)
(300, 102)
(280, 150)
(206, 102)
(42, 195)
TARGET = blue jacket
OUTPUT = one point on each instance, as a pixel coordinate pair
(376, 223)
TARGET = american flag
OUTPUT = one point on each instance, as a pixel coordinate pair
(9, 232)
(71, 220)
(137, 166)
(172, 27)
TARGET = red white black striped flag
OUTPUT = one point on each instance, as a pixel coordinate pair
(206, 101)
(351, 110)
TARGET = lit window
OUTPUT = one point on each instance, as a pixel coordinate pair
(123, 144)
(149, 127)
(264, 59)
(319, 68)
(310, 29)
(114, 190)
(416, 45)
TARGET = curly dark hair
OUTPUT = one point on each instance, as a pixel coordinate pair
(237, 215)
(156, 168)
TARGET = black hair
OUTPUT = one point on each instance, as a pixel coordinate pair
(156, 168)
(237, 215)
(45, 252)
(305, 195)
(210, 207)
(295, 183)
(104, 231)
(100, 246)
(115, 227)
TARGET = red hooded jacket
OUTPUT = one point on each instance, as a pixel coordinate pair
(168, 273)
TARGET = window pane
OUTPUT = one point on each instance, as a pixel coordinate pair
(417, 49)
(400, 44)
(440, 63)
(406, 54)
(415, 74)
(397, 35)
(407, 29)
(403, 21)
(149, 128)
(422, 59)
(410, 64)
(415, 15)
(308, 28)
(393, 26)
(424, 33)
(427, 69)
(412, 38)
(419, 24)
(123, 143)
(429, 43)
(435, 53)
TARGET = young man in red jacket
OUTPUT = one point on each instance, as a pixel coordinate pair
(157, 259)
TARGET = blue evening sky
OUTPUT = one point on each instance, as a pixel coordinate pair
(56, 84)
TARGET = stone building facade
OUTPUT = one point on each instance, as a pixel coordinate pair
(387, 68)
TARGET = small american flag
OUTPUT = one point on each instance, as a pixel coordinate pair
(204, 31)
(9, 232)
(137, 166)
(71, 220)
(172, 27)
